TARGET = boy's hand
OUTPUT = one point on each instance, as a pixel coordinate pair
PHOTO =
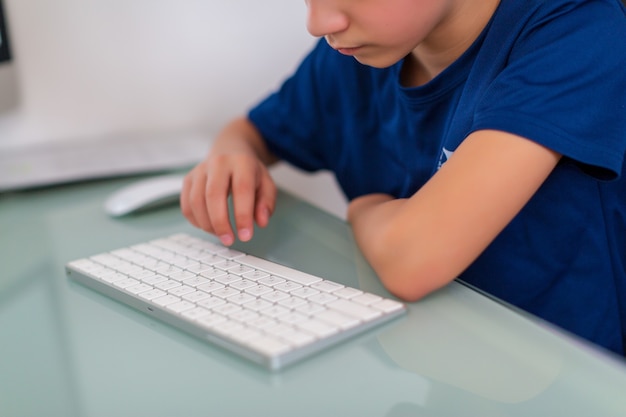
(234, 167)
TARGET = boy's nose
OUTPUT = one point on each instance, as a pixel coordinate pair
(323, 18)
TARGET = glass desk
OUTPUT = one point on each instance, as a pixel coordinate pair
(68, 351)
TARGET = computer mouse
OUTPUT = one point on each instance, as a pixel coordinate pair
(144, 194)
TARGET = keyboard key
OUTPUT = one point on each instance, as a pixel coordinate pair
(287, 286)
(310, 309)
(259, 305)
(228, 327)
(196, 296)
(354, 309)
(367, 299)
(244, 316)
(210, 259)
(240, 270)
(297, 338)
(211, 286)
(166, 300)
(142, 274)
(347, 292)
(229, 253)
(139, 288)
(279, 330)
(196, 313)
(255, 275)
(228, 278)
(155, 279)
(317, 328)
(271, 280)
(280, 270)
(243, 284)
(326, 286)
(337, 319)
(181, 306)
(211, 302)
(198, 267)
(388, 306)
(292, 318)
(213, 273)
(258, 290)
(227, 309)
(275, 311)
(245, 335)
(262, 323)
(152, 294)
(241, 298)
(226, 264)
(181, 290)
(112, 278)
(292, 302)
(182, 275)
(322, 298)
(270, 346)
(196, 281)
(210, 320)
(305, 292)
(275, 296)
(226, 292)
(87, 265)
(167, 285)
(108, 260)
(169, 269)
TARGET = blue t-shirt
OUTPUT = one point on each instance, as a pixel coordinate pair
(551, 71)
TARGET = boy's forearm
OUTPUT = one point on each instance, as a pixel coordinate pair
(406, 262)
(241, 135)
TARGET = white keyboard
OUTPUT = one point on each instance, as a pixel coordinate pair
(261, 310)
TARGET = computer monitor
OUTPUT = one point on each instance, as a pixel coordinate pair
(8, 72)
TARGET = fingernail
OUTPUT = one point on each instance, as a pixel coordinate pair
(226, 240)
(264, 217)
(245, 235)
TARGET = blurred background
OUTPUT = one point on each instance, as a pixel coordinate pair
(94, 70)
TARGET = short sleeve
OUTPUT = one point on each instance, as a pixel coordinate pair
(291, 119)
(564, 86)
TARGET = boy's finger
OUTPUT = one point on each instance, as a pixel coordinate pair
(265, 201)
(192, 200)
(244, 187)
(216, 201)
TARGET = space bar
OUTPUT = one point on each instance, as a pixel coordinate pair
(280, 270)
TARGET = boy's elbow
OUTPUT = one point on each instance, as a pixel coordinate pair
(407, 276)
(412, 284)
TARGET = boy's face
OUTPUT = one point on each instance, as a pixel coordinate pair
(378, 33)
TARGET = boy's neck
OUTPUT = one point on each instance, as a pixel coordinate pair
(452, 37)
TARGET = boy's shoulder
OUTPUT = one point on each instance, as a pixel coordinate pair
(582, 20)
(538, 9)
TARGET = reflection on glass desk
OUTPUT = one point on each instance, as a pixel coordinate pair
(68, 351)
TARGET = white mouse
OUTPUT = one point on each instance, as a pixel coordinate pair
(144, 194)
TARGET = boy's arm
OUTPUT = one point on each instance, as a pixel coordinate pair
(419, 244)
(236, 164)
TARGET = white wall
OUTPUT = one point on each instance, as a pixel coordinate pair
(99, 68)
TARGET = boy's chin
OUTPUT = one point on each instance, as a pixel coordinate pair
(378, 61)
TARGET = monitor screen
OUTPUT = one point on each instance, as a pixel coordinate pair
(5, 53)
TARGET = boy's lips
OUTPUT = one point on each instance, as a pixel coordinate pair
(349, 50)
(343, 49)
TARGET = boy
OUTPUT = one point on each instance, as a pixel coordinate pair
(479, 139)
